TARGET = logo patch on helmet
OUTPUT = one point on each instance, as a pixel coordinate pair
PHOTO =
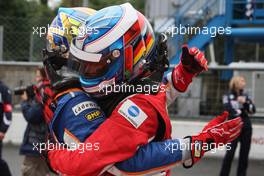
(132, 113)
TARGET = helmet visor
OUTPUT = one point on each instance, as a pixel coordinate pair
(87, 69)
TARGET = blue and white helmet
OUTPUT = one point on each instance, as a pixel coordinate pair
(111, 47)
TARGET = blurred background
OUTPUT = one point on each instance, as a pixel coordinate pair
(239, 53)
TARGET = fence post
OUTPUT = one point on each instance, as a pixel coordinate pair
(31, 47)
(1, 42)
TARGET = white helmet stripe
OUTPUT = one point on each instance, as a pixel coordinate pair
(126, 21)
(91, 57)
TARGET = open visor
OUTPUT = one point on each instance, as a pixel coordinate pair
(88, 65)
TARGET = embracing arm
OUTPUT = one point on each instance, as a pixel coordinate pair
(159, 156)
(151, 158)
(154, 157)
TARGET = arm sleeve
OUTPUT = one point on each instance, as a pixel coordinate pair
(153, 158)
(7, 110)
(33, 113)
(118, 139)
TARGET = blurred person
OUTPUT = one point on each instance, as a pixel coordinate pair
(238, 104)
(5, 121)
(44, 94)
(36, 130)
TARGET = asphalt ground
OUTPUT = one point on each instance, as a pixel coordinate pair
(206, 167)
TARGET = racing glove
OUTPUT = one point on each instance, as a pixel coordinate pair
(192, 63)
(217, 132)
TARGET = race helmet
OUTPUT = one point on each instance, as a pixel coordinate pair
(60, 33)
(65, 26)
(112, 47)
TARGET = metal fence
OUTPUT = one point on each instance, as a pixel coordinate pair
(203, 98)
(21, 38)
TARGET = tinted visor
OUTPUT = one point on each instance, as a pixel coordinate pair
(89, 69)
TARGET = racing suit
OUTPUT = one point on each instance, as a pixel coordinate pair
(78, 116)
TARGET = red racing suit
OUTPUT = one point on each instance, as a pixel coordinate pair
(133, 123)
(121, 134)
(118, 137)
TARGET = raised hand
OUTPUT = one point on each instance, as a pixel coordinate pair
(193, 60)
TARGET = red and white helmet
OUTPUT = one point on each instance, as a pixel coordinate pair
(112, 47)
